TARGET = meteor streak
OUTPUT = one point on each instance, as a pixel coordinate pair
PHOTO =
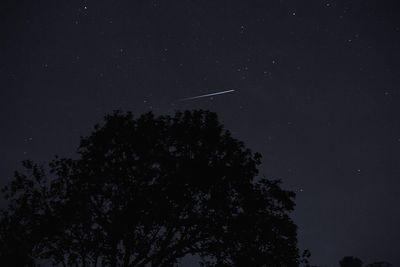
(201, 96)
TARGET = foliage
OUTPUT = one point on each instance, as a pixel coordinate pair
(350, 261)
(149, 191)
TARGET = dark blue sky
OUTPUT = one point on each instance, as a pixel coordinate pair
(316, 93)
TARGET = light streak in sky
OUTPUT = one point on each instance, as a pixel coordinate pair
(207, 95)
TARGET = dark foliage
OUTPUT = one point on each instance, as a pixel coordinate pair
(149, 191)
(350, 261)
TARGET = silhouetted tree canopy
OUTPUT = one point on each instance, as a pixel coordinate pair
(147, 192)
(350, 261)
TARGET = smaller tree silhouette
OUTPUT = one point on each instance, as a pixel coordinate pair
(350, 261)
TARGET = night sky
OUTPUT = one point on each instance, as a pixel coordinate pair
(316, 93)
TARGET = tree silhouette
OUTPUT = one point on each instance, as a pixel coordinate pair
(147, 192)
(350, 261)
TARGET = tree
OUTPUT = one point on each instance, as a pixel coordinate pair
(149, 191)
(350, 261)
